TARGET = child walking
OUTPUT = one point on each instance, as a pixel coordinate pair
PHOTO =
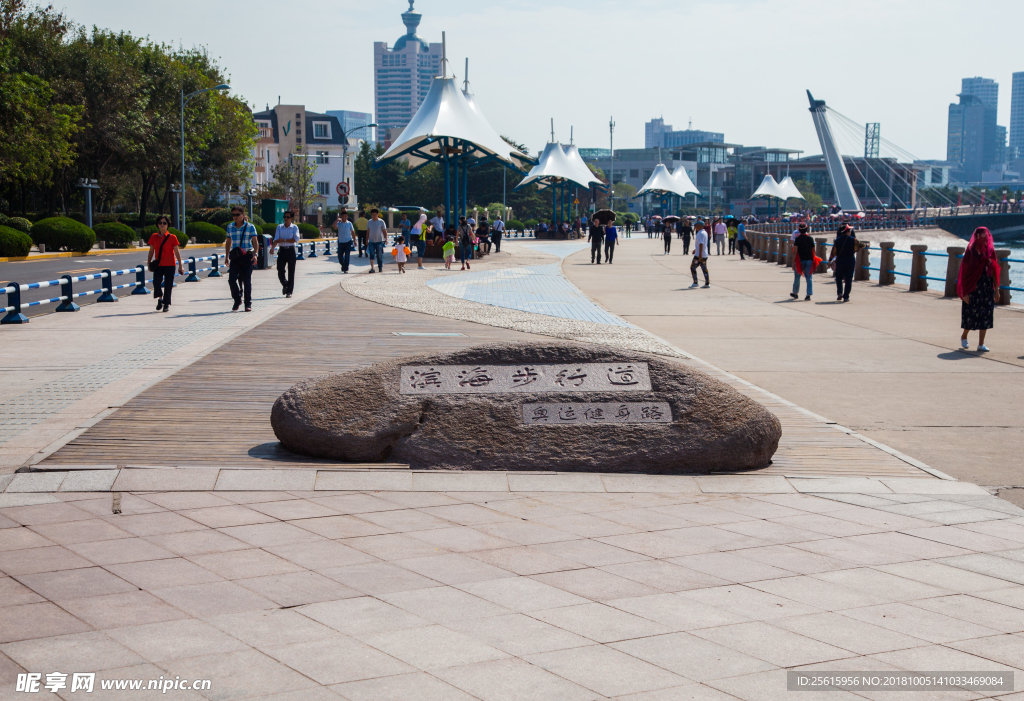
(401, 255)
(448, 249)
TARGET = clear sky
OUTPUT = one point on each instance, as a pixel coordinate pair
(735, 66)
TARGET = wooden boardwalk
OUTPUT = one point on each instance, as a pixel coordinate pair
(216, 411)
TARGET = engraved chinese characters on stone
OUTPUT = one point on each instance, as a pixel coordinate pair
(536, 377)
(557, 413)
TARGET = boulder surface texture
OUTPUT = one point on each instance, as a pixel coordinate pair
(368, 415)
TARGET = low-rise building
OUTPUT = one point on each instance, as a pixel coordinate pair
(290, 131)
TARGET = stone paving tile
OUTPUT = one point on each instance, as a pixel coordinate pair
(79, 651)
(730, 566)
(454, 569)
(990, 614)
(298, 588)
(851, 551)
(881, 584)
(243, 480)
(337, 660)
(818, 593)
(524, 559)
(847, 633)
(89, 481)
(991, 565)
(80, 531)
(525, 532)
(378, 578)
(229, 515)
(772, 644)
(73, 584)
(793, 559)
(1004, 649)
(188, 543)
(340, 526)
(19, 538)
(244, 564)
(927, 625)
(462, 539)
(185, 500)
(133, 608)
(269, 534)
(159, 523)
(771, 686)
(36, 514)
(293, 509)
(14, 593)
(401, 687)
(36, 482)
(677, 612)
(466, 514)
(604, 670)
(114, 552)
(522, 594)
(158, 574)
(239, 673)
(518, 634)
(600, 623)
(33, 560)
(406, 520)
(755, 605)
(170, 640)
(772, 532)
(587, 525)
(951, 578)
(639, 519)
(213, 599)
(513, 680)
(591, 553)
(433, 647)
(320, 554)
(194, 480)
(664, 575)
(692, 657)
(444, 604)
(361, 616)
(595, 584)
(42, 620)
(271, 628)
(962, 538)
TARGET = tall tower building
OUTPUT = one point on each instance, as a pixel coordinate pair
(653, 131)
(984, 88)
(402, 75)
(1017, 116)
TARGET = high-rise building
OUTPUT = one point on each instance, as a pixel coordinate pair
(971, 137)
(353, 120)
(1017, 116)
(984, 88)
(657, 134)
(402, 75)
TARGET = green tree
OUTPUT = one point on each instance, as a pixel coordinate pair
(812, 200)
(294, 179)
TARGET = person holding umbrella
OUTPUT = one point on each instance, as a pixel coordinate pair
(596, 238)
(669, 224)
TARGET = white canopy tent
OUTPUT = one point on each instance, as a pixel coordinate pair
(769, 188)
(790, 189)
(573, 154)
(446, 115)
(662, 182)
(683, 178)
(554, 166)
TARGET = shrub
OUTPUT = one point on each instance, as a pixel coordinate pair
(258, 220)
(14, 243)
(19, 224)
(204, 232)
(78, 217)
(218, 216)
(530, 223)
(309, 231)
(514, 225)
(268, 229)
(148, 231)
(116, 234)
(61, 232)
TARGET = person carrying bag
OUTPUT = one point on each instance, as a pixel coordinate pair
(161, 262)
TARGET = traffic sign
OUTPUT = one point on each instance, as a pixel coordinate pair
(343, 188)
(342, 199)
(576, 201)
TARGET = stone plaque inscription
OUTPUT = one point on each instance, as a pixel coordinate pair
(544, 377)
(557, 414)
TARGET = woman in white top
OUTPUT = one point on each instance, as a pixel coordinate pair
(419, 240)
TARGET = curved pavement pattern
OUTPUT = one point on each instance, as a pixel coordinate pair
(539, 289)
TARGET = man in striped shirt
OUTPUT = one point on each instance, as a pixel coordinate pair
(240, 246)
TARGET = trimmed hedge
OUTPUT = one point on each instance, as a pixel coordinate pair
(14, 243)
(61, 232)
(221, 216)
(514, 225)
(18, 224)
(530, 223)
(148, 231)
(309, 231)
(116, 234)
(205, 232)
(268, 229)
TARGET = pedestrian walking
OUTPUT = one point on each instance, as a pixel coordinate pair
(401, 253)
(700, 254)
(345, 239)
(731, 227)
(667, 235)
(742, 242)
(804, 263)
(240, 246)
(843, 260)
(611, 235)
(285, 238)
(163, 252)
(465, 238)
(978, 287)
(686, 233)
(419, 232)
(719, 235)
(361, 225)
(448, 250)
(497, 231)
(376, 237)
(596, 238)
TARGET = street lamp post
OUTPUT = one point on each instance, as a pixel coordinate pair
(88, 185)
(185, 98)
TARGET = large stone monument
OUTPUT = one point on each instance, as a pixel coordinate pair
(529, 406)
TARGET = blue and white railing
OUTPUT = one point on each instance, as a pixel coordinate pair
(13, 311)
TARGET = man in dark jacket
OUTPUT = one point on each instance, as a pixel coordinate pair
(804, 246)
(844, 257)
(685, 233)
(596, 238)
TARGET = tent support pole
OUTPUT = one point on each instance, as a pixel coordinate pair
(465, 188)
(456, 188)
(447, 186)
